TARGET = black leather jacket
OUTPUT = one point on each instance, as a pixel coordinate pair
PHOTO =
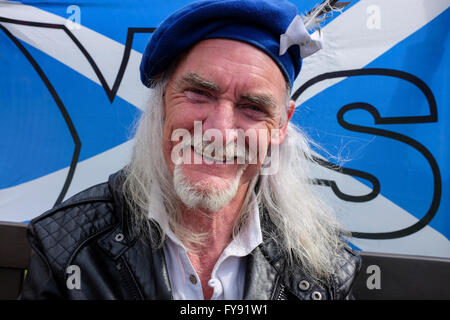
(90, 231)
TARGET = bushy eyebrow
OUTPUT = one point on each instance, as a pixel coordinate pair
(197, 81)
(263, 100)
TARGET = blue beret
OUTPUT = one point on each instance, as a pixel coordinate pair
(257, 22)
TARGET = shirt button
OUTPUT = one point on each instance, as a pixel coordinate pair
(193, 279)
(217, 286)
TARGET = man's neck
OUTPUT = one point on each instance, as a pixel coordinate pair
(219, 227)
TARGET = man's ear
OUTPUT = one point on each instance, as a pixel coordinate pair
(277, 139)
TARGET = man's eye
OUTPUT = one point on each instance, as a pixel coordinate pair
(196, 93)
(252, 108)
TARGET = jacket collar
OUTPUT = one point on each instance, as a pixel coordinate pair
(121, 209)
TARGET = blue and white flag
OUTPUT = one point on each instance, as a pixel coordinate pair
(374, 98)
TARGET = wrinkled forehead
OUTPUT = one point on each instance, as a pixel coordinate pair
(223, 60)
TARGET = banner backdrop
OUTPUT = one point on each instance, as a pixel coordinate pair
(375, 99)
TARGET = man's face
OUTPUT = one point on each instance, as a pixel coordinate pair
(228, 86)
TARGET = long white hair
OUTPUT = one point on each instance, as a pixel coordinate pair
(305, 227)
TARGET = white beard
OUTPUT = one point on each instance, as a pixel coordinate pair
(199, 195)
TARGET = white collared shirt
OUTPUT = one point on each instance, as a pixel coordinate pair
(228, 274)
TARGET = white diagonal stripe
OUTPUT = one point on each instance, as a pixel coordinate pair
(106, 53)
(349, 44)
(30, 199)
(379, 215)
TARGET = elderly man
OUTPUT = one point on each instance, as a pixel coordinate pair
(215, 202)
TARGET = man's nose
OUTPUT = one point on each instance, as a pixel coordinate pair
(222, 118)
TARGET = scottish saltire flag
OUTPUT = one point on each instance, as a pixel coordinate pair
(375, 99)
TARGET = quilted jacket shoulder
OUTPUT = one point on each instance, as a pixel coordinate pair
(65, 227)
(346, 272)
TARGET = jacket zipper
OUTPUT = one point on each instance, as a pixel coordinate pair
(281, 295)
(126, 277)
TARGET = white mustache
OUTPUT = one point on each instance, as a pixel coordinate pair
(216, 151)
